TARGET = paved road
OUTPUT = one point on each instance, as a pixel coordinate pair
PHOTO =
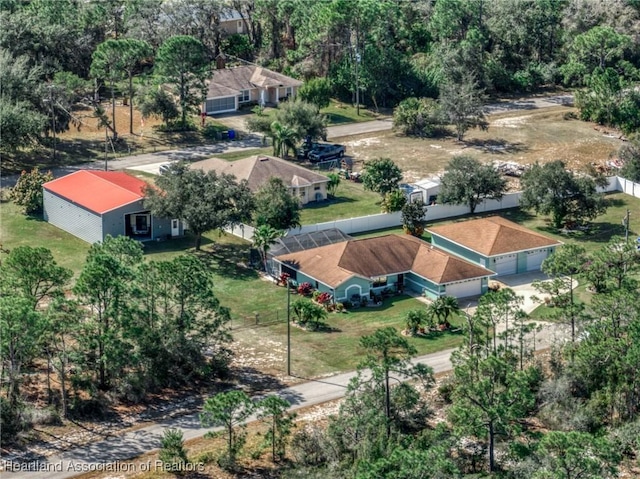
(150, 162)
(118, 453)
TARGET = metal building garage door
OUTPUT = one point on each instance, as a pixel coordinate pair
(535, 259)
(464, 289)
(503, 265)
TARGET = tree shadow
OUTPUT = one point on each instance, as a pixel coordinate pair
(602, 232)
(229, 260)
(336, 200)
(496, 145)
(338, 119)
(322, 327)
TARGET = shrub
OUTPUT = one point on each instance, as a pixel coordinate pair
(308, 447)
(347, 304)
(323, 298)
(316, 294)
(418, 117)
(393, 201)
(283, 279)
(340, 307)
(172, 452)
(28, 191)
(212, 132)
(305, 289)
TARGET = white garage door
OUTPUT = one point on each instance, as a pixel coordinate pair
(503, 265)
(464, 289)
(535, 259)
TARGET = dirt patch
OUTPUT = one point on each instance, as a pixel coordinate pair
(543, 135)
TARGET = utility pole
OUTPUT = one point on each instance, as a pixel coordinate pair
(53, 118)
(626, 227)
(357, 83)
(106, 140)
(288, 327)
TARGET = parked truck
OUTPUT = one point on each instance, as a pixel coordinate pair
(326, 151)
(317, 152)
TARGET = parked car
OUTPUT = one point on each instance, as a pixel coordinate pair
(326, 151)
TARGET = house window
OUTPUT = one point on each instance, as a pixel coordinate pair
(240, 26)
(221, 104)
(288, 92)
(244, 96)
(142, 226)
(302, 194)
(381, 281)
(316, 188)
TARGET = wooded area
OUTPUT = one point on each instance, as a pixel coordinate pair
(57, 54)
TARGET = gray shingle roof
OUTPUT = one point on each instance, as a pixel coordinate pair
(231, 81)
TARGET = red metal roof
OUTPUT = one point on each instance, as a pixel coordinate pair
(98, 191)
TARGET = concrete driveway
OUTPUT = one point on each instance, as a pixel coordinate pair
(522, 284)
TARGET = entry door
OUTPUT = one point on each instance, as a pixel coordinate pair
(175, 228)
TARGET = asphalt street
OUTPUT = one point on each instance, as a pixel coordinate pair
(119, 452)
(150, 162)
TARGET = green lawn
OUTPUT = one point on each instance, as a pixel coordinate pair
(241, 289)
(351, 200)
(245, 153)
(338, 348)
(339, 113)
(19, 230)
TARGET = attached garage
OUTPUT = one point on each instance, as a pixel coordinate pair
(503, 265)
(464, 289)
(496, 243)
(535, 259)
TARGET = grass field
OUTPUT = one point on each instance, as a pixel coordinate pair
(351, 200)
(242, 290)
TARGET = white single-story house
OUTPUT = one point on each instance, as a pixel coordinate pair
(304, 184)
(495, 243)
(93, 204)
(361, 267)
(230, 88)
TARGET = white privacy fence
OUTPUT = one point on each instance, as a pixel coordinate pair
(628, 187)
(362, 224)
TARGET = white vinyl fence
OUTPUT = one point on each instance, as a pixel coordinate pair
(362, 224)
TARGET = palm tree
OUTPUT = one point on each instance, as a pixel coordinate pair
(264, 236)
(284, 139)
(333, 183)
(443, 308)
(415, 318)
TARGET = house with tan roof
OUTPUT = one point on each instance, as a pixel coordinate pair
(495, 243)
(359, 267)
(304, 184)
(230, 88)
(93, 204)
